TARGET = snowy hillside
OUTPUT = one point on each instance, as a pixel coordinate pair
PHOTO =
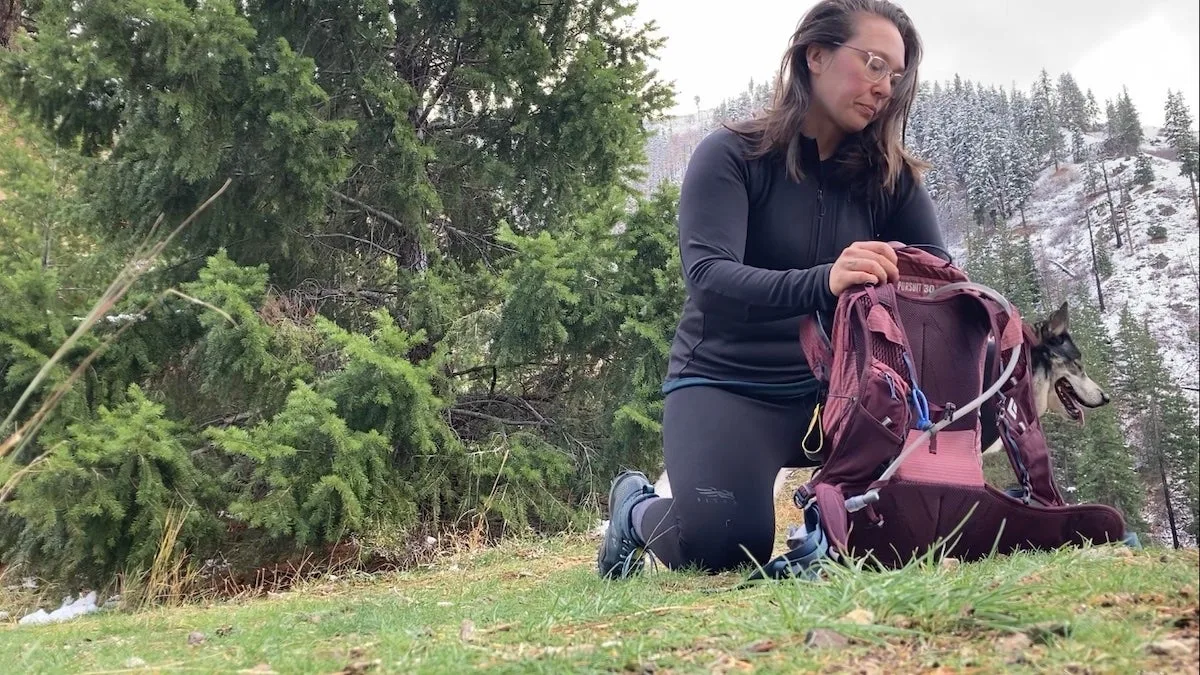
(670, 145)
(1159, 279)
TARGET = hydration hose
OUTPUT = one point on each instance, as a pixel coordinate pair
(871, 496)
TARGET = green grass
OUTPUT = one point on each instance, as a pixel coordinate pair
(539, 607)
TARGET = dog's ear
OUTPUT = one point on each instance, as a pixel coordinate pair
(1059, 321)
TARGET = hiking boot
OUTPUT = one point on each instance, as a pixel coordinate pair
(622, 553)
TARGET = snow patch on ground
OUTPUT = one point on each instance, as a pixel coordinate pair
(70, 609)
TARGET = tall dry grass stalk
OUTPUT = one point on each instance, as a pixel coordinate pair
(141, 262)
(171, 577)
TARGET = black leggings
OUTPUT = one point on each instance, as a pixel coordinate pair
(723, 451)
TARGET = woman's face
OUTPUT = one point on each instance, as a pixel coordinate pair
(852, 83)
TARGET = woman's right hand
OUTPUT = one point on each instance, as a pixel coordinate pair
(863, 262)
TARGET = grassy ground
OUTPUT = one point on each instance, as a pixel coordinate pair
(539, 607)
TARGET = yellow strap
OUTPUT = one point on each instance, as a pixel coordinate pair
(814, 422)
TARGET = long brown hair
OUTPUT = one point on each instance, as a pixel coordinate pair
(876, 155)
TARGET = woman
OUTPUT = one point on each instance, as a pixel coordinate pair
(777, 217)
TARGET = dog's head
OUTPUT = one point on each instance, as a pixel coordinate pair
(1058, 367)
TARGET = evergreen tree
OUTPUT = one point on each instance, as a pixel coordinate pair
(1143, 171)
(426, 115)
(1177, 128)
(983, 262)
(425, 177)
(1125, 130)
(1047, 120)
(1091, 111)
(1025, 285)
(1091, 172)
(1106, 468)
(1078, 147)
(100, 504)
(1104, 264)
(1164, 424)
(1072, 104)
(1112, 126)
(1022, 171)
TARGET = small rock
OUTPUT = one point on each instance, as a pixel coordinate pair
(430, 541)
(313, 618)
(822, 638)
(950, 563)
(862, 617)
(1017, 642)
(1189, 619)
(1112, 599)
(1043, 633)
(359, 667)
(761, 646)
(195, 638)
(466, 632)
(1172, 648)
(5, 616)
(134, 662)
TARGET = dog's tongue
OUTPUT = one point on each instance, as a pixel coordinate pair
(1080, 422)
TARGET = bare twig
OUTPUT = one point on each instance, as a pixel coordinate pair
(386, 217)
(498, 420)
(368, 242)
(441, 86)
(198, 301)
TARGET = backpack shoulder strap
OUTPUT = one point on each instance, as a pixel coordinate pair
(1021, 431)
(920, 273)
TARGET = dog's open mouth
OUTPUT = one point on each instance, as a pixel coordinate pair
(1070, 400)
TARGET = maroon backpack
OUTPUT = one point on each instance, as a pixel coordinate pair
(903, 381)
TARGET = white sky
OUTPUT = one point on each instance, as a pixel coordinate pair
(714, 47)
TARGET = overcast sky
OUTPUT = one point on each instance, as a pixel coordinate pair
(714, 47)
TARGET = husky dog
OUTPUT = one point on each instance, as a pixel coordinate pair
(1057, 366)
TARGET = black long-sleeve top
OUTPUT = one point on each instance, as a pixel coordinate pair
(757, 248)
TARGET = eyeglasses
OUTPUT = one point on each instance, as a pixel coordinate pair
(876, 67)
